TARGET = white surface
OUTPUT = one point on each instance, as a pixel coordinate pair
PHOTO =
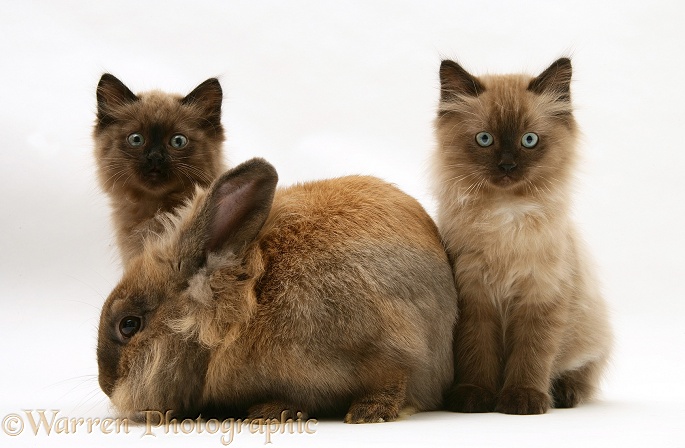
(329, 88)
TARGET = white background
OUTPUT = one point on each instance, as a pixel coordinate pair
(329, 88)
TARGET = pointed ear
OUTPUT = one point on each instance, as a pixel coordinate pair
(235, 208)
(456, 82)
(556, 79)
(208, 96)
(111, 93)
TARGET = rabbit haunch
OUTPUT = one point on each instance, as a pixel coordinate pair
(533, 330)
(325, 297)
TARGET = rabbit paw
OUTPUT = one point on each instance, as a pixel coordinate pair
(370, 412)
(383, 405)
(523, 401)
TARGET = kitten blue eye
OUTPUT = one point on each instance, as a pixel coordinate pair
(135, 139)
(484, 139)
(529, 139)
(178, 141)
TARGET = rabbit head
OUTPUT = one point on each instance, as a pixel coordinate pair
(159, 324)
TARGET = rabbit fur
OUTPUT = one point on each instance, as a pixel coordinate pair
(330, 297)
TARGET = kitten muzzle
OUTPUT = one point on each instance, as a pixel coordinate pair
(155, 166)
(507, 163)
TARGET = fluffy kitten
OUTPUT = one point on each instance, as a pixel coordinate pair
(533, 330)
(152, 150)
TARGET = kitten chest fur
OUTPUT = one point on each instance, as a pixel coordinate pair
(510, 248)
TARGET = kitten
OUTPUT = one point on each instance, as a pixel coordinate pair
(152, 150)
(533, 330)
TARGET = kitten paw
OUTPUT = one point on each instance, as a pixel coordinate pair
(568, 391)
(371, 413)
(470, 398)
(523, 401)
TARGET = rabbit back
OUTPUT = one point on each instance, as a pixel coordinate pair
(355, 284)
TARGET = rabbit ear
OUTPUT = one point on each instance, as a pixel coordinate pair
(236, 207)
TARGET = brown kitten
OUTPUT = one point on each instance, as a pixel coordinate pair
(533, 330)
(152, 150)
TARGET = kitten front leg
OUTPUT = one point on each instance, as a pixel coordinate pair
(532, 337)
(132, 239)
(478, 354)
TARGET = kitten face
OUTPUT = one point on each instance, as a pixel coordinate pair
(157, 143)
(507, 132)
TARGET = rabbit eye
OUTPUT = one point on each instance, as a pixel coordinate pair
(129, 326)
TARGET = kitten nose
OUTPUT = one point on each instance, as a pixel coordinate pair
(507, 163)
(508, 166)
(155, 156)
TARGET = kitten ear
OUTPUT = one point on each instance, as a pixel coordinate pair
(456, 82)
(233, 211)
(556, 79)
(111, 93)
(208, 96)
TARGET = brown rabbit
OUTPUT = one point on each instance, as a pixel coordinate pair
(323, 297)
(151, 150)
